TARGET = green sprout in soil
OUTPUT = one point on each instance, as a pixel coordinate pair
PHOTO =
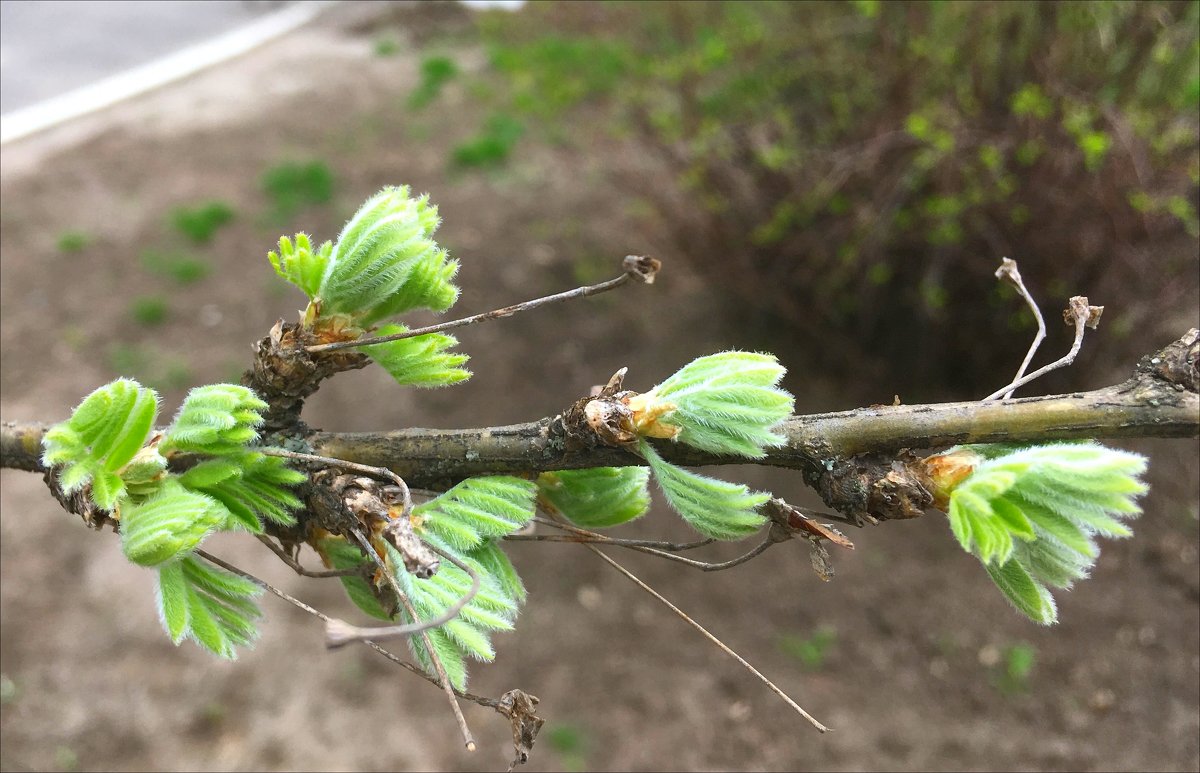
(149, 310)
(293, 185)
(72, 241)
(184, 269)
(199, 223)
(813, 650)
(436, 71)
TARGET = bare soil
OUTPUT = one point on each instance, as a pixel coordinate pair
(914, 678)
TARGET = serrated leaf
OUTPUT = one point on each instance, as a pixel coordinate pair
(715, 508)
(1029, 597)
(598, 497)
(169, 524)
(217, 419)
(385, 260)
(1029, 514)
(478, 508)
(300, 264)
(173, 600)
(258, 489)
(103, 434)
(723, 403)
(420, 361)
(212, 607)
(495, 562)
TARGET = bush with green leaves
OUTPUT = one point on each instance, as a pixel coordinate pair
(828, 163)
(1031, 515)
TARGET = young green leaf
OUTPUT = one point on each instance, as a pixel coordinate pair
(385, 261)
(724, 403)
(476, 509)
(100, 438)
(299, 264)
(169, 524)
(340, 554)
(421, 361)
(598, 497)
(715, 508)
(211, 606)
(217, 419)
(1031, 514)
(251, 486)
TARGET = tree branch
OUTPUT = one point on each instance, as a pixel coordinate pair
(1160, 400)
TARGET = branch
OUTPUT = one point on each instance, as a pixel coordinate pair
(1160, 400)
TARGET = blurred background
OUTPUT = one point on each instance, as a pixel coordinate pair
(835, 183)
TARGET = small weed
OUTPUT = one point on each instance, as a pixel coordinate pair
(436, 71)
(199, 223)
(66, 758)
(1011, 675)
(570, 743)
(387, 46)
(293, 185)
(8, 690)
(493, 146)
(811, 651)
(184, 269)
(149, 310)
(72, 241)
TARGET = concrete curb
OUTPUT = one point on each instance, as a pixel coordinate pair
(188, 61)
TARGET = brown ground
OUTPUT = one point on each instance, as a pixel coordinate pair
(91, 682)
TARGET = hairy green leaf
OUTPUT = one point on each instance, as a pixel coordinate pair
(211, 606)
(218, 419)
(1031, 514)
(300, 264)
(385, 261)
(251, 486)
(598, 497)
(420, 361)
(724, 403)
(169, 524)
(715, 508)
(476, 509)
(101, 437)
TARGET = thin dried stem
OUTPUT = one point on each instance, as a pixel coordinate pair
(635, 267)
(582, 536)
(1008, 270)
(295, 565)
(674, 547)
(339, 633)
(468, 739)
(1083, 316)
(724, 648)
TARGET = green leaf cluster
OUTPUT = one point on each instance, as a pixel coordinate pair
(726, 403)
(102, 435)
(1031, 515)
(598, 497)
(466, 522)
(163, 515)
(419, 361)
(715, 508)
(385, 261)
(210, 606)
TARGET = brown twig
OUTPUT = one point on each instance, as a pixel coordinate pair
(1008, 270)
(468, 739)
(635, 267)
(723, 647)
(297, 568)
(1083, 316)
(329, 461)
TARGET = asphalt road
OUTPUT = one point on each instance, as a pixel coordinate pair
(50, 48)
